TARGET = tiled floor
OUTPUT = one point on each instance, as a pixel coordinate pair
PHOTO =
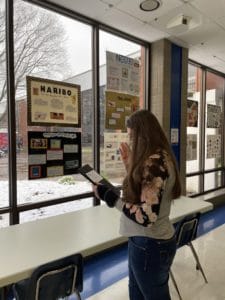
(211, 250)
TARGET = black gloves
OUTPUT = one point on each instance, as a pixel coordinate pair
(108, 194)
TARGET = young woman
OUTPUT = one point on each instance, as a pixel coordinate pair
(152, 181)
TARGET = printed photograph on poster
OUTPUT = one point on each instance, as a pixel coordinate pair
(38, 143)
(71, 164)
(118, 107)
(60, 156)
(55, 144)
(37, 159)
(73, 148)
(123, 73)
(35, 172)
(192, 113)
(191, 150)
(55, 171)
(54, 154)
(112, 158)
(51, 103)
(213, 146)
(213, 116)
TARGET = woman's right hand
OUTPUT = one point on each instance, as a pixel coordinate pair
(125, 154)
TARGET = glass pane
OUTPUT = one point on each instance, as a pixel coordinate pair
(58, 209)
(4, 220)
(121, 92)
(193, 118)
(192, 185)
(46, 47)
(212, 180)
(214, 113)
(45, 189)
(4, 176)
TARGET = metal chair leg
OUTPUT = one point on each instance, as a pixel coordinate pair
(175, 285)
(198, 262)
(78, 294)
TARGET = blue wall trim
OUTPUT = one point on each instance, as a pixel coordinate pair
(176, 83)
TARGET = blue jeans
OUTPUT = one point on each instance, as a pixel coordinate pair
(149, 264)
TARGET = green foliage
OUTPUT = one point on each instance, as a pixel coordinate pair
(67, 180)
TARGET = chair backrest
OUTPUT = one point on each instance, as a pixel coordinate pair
(54, 280)
(187, 229)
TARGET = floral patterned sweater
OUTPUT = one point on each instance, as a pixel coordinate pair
(153, 211)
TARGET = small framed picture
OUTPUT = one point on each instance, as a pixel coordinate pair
(38, 143)
(35, 172)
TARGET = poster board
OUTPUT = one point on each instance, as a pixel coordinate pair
(123, 73)
(53, 153)
(213, 146)
(53, 103)
(118, 108)
(213, 116)
(112, 158)
(192, 113)
(191, 150)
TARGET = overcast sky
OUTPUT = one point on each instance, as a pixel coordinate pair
(78, 44)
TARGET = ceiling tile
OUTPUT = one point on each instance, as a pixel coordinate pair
(200, 34)
(206, 35)
(132, 7)
(129, 24)
(205, 58)
(221, 21)
(149, 33)
(93, 9)
(113, 2)
(120, 20)
(213, 9)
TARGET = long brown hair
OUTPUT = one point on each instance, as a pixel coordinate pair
(147, 138)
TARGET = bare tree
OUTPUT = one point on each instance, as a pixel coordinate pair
(39, 40)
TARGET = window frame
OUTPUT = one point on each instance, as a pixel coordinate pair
(202, 170)
(14, 209)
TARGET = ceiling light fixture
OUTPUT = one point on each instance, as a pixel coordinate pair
(150, 5)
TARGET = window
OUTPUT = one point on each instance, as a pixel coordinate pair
(121, 64)
(46, 47)
(4, 175)
(52, 46)
(213, 129)
(205, 121)
(193, 127)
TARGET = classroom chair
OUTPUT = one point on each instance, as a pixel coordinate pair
(54, 280)
(186, 232)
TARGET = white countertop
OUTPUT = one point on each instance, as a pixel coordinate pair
(184, 206)
(26, 246)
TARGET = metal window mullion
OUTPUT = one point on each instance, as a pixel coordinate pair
(222, 137)
(202, 129)
(96, 101)
(11, 104)
(147, 74)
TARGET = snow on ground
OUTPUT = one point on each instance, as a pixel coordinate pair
(33, 191)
